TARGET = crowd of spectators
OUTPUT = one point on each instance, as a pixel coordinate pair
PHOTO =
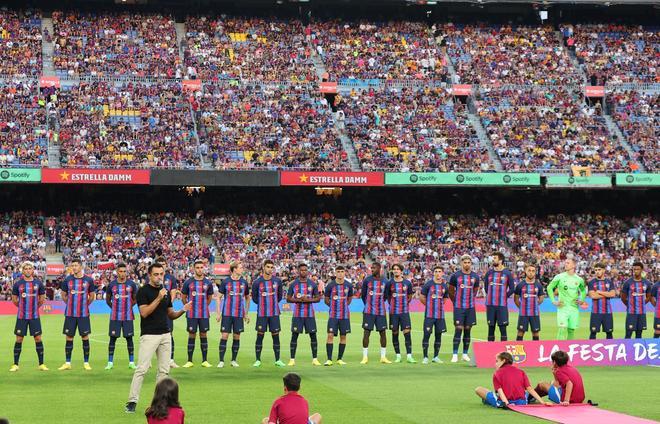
(413, 130)
(534, 129)
(126, 125)
(274, 127)
(378, 50)
(615, 53)
(106, 44)
(247, 48)
(508, 54)
(638, 116)
(20, 43)
(23, 138)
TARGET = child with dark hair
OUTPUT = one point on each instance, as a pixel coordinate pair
(567, 386)
(511, 385)
(291, 408)
(165, 408)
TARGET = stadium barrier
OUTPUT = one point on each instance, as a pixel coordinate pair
(215, 178)
(613, 352)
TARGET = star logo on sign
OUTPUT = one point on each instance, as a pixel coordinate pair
(64, 176)
(303, 178)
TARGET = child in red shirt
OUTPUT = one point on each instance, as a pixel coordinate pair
(567, 386)
(291, 408)
(165, 408)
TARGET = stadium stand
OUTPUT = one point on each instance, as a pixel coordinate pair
(20, 43)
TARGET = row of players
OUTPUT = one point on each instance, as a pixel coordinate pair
(267, 291)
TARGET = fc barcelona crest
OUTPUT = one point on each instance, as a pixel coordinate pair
(518, 353)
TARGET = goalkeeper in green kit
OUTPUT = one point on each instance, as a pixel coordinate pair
(572, 292)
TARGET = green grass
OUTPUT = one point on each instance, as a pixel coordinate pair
(397, 393)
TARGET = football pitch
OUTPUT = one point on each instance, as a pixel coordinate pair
(373, 393)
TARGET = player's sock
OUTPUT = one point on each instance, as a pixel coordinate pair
(466, 341)
(68, 348)
(328, 350)
(40, 351)
(638, 334)
(111, 348)
(85, 350)
(655, 336)
(425, 344)
(408, 341)
(609, 335)
(395, 343)
(365, 351)
(172, 353)
(191, 348)
(628, 334)
(342, 348)
(519, 338)
(503, 335)
(535, 337)
(570, 333)
(491, 333)
(235, 346)
(204, 345)
(293, 346)
(17, 351)
(131, 349)
(276, 347)
(383, 352)
(592, 335)
(436, 344)
(457, 340)
(314, 344)
(258, 346)
(223, 349)
(561, 333)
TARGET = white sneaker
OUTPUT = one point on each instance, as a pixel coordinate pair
(172, 364)
(466, 358)
(437, 360)
(454, 358)
(221, 364)
(425, 361)
(234, 364)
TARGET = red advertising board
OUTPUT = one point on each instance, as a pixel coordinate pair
(461, 89)
(49, 82)
(594, 91)
(328, 87)
(54, 269)
(95, 176)
(221, 269)
(332, 179)
(192, 85)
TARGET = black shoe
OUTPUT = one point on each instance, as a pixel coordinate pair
(130, 407)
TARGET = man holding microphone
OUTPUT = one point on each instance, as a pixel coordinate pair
(155, 304)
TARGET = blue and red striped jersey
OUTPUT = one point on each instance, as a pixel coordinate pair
(78, 290)
(499, 285)
(169, 282)
(28, 293)
(529, 293)
(396, 293)
(234, 292)
(199, 292)
(298, 289)
(372, 293)
(637, 292)
(267, 295)
(435, 294)
(120, 298)
(655, 292)
(601, 306)
(339, 296)
(466, 289)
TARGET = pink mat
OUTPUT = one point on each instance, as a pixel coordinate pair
(578, 414)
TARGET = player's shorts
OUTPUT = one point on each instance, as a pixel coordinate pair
(193, 324)
(339, 326)
(268, 323)
(437, 324)
(656, 323)
(299, 324)
(119, 327)
(400, 321)
(532, 323)
(554, 394)
(369, 321)
(465, 317)
(636, 322)
(604, 321)
(497, 315)
(22, 325)
(71, 323)
(231, 325)
(568, 318)
(493, 400)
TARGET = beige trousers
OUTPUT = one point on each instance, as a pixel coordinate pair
(159, 344)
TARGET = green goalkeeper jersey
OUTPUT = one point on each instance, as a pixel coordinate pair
(570, 288)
